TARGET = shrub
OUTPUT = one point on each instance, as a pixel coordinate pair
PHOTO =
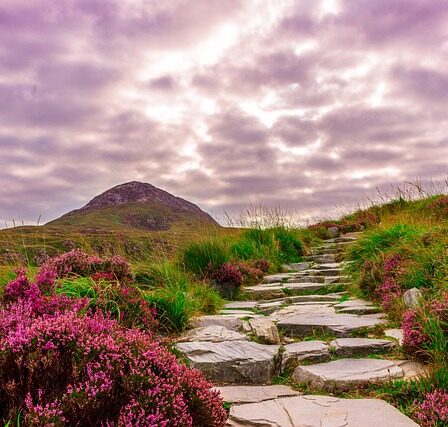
(228, 280)
(205, 256)
(72, 369)
(79, 263)
(261, 264)
(433, 411)
(249, 273)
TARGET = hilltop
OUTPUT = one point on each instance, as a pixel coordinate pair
(130, 219)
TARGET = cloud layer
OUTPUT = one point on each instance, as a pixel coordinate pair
(297, 104)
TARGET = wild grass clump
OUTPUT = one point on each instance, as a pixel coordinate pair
(175, 295)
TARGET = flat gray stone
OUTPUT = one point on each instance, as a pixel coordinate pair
(240, 305)
(279, 277)
(235, 362)
(396, 334)
(237, 313)
(230, 322)
(238, 394)
(341, 325)
(265, 292)
(356, 306)
(309, 351)
(318, 411)
(412, 298)
(265, 330)
(213, 333)
(345, 373)
(297, 266)
(270, 307)
(307, 279)
(360, 346)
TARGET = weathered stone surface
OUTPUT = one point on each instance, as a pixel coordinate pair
(309, 351)
(360, 346)
(297, 266)
(300, 288)
(318, 411)
(270, 307)
(279, 277)
(230, 322)
(412, 369)
(307, 279)
(265, 292)
(326, 271)
(356, 306)
(265, 330)
(412, 297)
(343, 373)
(303, 309)
(395, 333)
(213, 333)
(336, 279)
(238, 313)
(240, 305)
(333, 232)
(340, 324)
(238, 394)
(236, 362)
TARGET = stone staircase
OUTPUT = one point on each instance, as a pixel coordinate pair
(300, 324)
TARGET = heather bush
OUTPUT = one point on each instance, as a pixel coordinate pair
(227, 280)
(79, 263)
(71, 369)
(433, 411)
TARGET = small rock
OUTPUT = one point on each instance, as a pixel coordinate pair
(396, 334)
(333, 232)
(412, 298)
(265, 330)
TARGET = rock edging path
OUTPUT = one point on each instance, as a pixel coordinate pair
(249, 343)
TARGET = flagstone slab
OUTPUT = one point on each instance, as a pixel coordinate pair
(318, 411)
(360, 346)
(240, 394)
(346, 373)
(304, 351)
(341, 325)
(265, 330)
(213, 333)
(396, 334)
(235, 362)
(233, 323)
(240, 305)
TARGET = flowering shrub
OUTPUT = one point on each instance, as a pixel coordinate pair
(390, 291)
(262, 264)
(413, 335)
(433, 411)
(250, 274)
(228, 280)
(77, 262)
(72, 369)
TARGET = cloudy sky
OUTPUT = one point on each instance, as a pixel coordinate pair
(303, 104)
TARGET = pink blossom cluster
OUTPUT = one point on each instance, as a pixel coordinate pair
(227, 279)
(77, 262)
(66, 367)
(389, 290)
(433, 411)
(413, 335)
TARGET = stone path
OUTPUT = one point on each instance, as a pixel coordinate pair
(302, 324)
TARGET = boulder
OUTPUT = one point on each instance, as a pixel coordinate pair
(412, 298)
(265, 330)
(236, 362)
(345, 373)
(396, 334)
(333, 232)
(318, 411)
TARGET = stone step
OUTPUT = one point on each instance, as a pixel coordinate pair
(307, 279)
(322, 258)
(235, 362)
(325, 272)
(356, 306)
(240, 305)
(344, 374)
(318, 411)
(349, 347)
(268, 292)
(297, 266)
(240, 394)
(341, 239)
(214, 333)
(279, 277)
(341, 325)
(313, 351)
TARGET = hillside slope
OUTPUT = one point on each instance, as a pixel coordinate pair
(131, 219)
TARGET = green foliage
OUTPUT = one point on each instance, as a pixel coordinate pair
(278, 245)
(205, 255)
(175, 296)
